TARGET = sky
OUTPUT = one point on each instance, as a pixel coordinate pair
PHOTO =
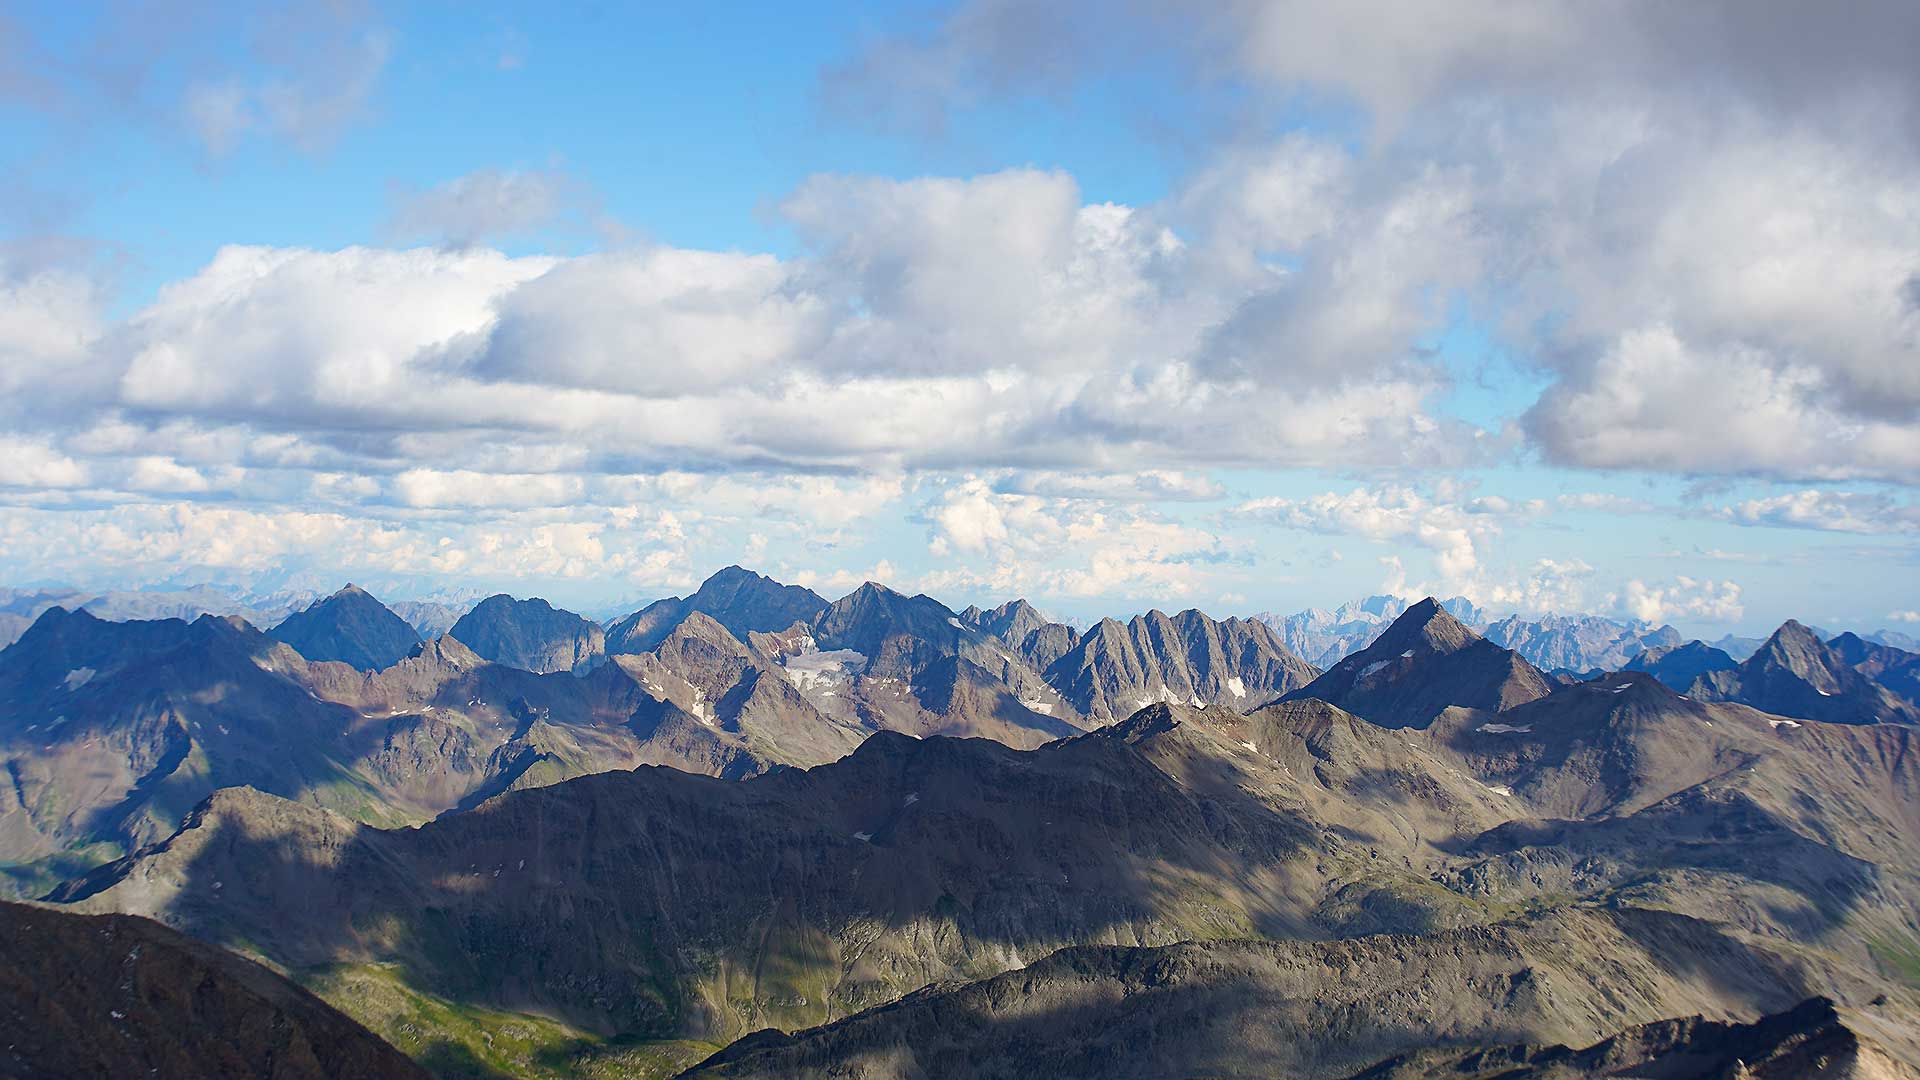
(1564, 307)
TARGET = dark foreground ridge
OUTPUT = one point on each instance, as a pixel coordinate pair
(118, 995)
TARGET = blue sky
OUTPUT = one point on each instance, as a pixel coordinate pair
(1259, 308)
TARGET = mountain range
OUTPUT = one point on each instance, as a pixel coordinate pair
(754, 832)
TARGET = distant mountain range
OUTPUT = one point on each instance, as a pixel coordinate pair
(983, 839)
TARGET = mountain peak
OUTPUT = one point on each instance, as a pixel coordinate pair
(1431, 624)
(530, 634)
(350, 627)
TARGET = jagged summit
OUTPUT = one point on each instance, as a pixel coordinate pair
(743, 601)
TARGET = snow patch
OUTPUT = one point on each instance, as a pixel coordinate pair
(818, 669)
(1251, 747)
(1196, 702)
(863, 837)
(1506, 729)
(1499, 789)
(1236, 687)
(1778, 724)
(1371, 668)
(912, 797)
(1044, 708)
(78, 678)
(1821, 692)
(956, 624)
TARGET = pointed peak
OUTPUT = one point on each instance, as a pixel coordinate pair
(729, 575)
(350, 590)
(699, 626)
(446, 649)
(1793, 632)
(870, 590)
(1425, 623)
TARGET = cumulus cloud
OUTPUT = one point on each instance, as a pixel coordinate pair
(1393, 513)
(994, 543)
(1148, 485)
(1698, 221)
(1682, 598)
(1829, 511)
(941, 324)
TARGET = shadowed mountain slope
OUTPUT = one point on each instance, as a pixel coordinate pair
(1796, 674)
(115, 995)
(1296, 1009)
(530, 634)
(1678, 666)
(1811, 1040)
(111, 732)
(656, 904)
(350, 626)
(1896, 669)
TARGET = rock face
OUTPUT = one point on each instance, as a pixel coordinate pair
(1115, 668)
(1294, 1009)
(1426, 662)
(1679, 665)
(350, 626)
(908, 663)
(530, 634)
(726, 684)
(115, 995)
(1796, 674)
(1579, 642)
(740, 600)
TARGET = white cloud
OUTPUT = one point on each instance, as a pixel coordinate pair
(165, 475)
(465, 488)
(1682, 598)
(1149, 485)
(1675, 212)
(994, 543)
(28, 463)
(1394, 514)
(1829, 511)
(1904, 616)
